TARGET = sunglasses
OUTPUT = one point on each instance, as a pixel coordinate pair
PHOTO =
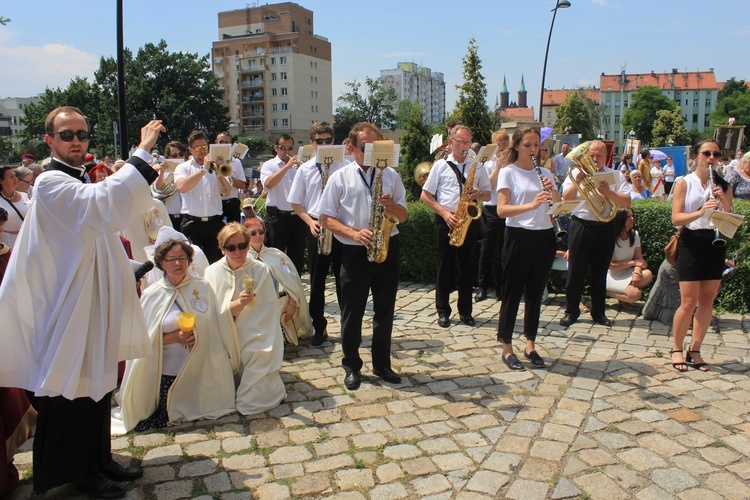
(285, 148)
(232, 248)
(260, 232)
(708, 154)
(327, 140)
(200, 148)
(67, 135)
(175, 155)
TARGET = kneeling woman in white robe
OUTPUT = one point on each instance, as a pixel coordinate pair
(189, 376)
(294, 301)
(247, 296)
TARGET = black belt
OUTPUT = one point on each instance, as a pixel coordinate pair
(201, 219)
(275, 211)
(589, 222)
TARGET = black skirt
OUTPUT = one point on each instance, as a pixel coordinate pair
(697, 258)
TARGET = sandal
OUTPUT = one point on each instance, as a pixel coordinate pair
(680, 366)
(697, 366)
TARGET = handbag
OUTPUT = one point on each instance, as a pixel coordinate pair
(670, 251)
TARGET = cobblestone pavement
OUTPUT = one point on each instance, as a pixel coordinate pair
(608, 419)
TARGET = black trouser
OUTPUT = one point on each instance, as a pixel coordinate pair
(176, 221)
(358, 278)
(493, 231)
(318, 266)
(447, 258)
(72, 440)
(527, 260)
(591, 244)
(231, 209)
(286, 231)
(203, 234)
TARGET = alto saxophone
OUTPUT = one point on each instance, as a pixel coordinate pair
(381, 222)
(467, 211)
(325, 237)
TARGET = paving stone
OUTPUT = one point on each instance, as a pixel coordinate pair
(163, 455)
(488, 482)
(548, 450)
(401, 451)
(243, 462)
(538, 470)
(391, 491)
(419, 467)
(452, 462)
(391, 471)
(438, 445)
(285, 471)
(329, 463)
(522, 489)
(502, 462)
(696, 466)
(652, 493)
(235, 444)
(350, 479)
(513, 444)
(430, 485)
(204, 448)
(199, 468)
(684, 416)
(331, 447)
(565, 489)
(251, 478)
(599, 486)
(173, 490)
(217, 483)
(624, 476)
(289, 454)
(149, 440)
(719, 456)
(311, 484)
(642, 459)
(272, 491)
(673, 480)
(597, 457)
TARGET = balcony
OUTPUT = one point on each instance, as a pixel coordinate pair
(280, 50)
(253, 128)
(257, 82)
(252, 98)
(251, 114)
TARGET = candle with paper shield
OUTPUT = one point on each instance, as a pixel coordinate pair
(249, 283)
(186, 321)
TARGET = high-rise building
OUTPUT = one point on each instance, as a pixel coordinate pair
(274, 69)
(13, 114)
(414, 83)
(695, 92)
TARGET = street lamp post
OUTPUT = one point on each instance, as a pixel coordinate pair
(561, 4)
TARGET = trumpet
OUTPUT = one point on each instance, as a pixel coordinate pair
(719, 240)
(225, 170)
(560, 231)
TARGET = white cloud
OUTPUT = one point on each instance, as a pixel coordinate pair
(29, 70)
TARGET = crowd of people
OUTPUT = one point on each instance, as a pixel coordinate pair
(226, 292)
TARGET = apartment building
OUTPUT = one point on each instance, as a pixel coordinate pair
(415, 83)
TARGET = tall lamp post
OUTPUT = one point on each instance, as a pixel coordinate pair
(561, 4)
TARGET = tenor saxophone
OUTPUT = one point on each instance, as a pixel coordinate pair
(467, 210)
(381, 222)
(325, 237)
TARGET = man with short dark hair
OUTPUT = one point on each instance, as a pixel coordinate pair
(561, 164)
(286, 230)
(230, 204)
(86, 317)
(201, 189)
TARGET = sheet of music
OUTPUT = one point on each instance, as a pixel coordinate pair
(220, 153)
(727, 223)
(239, 150)
(486, 153)
(564, 207)
(330, 154)
(436, 142)
(305, 153)
(612, 178)
(382, 154)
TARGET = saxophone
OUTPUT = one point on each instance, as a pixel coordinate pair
(467, 211)
(381, 223)
(325, 237)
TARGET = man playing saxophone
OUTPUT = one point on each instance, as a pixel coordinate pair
(591, 242)
(346, 208)
(304, 196)
(445, 194)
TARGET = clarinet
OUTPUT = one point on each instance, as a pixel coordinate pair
(719, 240)
(560, 231)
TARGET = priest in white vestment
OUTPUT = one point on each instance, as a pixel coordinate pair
(247, 296)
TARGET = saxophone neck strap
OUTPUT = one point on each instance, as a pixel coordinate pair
(364, 179)
(459, 175)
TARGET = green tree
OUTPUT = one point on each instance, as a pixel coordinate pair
(669, 127)
(256, 145)
(731, 87)
(471, 107)
(734, 103)
(577, 115)
(641, 114)
(415, 148)
(375, 106)
(179, 88)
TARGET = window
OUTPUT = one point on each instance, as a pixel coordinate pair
(312, 109)
(316, 94)
(273, 61)
(273, 77)
(311, 64)
(606, 120)
(617, 119)
(316, 79)
(275, 123)
(686, 102)
(283, 90)
(312, 94)
(549, 114)
(282, 75)
(274, 107)
(273, 91)
(617, 104)
(311, 79)
(695, 118)
(316, 109)
(607, 104)
(626, 104)
(695, 102)
(316, 65)
(285, 122)
(282, 60)
(284, 107)
(708, 102)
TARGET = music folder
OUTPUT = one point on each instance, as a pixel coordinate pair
(382, 154)
(220, 152)
(305, 153)
(727, 223)
(330, 154)
(564, 207)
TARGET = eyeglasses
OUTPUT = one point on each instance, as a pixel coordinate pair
(259, 232)
(200, 148)
(172, 260)
(285, 148)
(460, 142)
(175, 155)
(327, 140)
(708, 154)
(67, 135)
(232, 248)
(24, 181)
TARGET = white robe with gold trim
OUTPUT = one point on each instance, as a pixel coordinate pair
(143, 231)
(204, 388)
(258, 332)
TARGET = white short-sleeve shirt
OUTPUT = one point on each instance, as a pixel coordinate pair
(277, 195)
(524, 186)
(307, 189)
(204, 200)
(443, 184)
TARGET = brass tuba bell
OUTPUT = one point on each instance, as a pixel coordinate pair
(421, 172)
(602, 208)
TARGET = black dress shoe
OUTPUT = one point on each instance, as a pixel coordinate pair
(352, 381)
(512, 362)
(481, 295)
(602, 320)
(568, 320)
(535, 358)
(319, 338)
(101, 487)
(467, 319)
(388, 375)
(444, 322)
(117, 472)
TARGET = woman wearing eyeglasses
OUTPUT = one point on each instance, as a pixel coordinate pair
(700, 264)
(189, 375)
(293, 308)
(15, 202)
(247, 297)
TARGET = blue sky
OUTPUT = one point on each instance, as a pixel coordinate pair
(591, 37)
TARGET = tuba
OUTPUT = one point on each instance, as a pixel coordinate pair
(467, 211)
(381, 223)
(421, 172)
(602, 208)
